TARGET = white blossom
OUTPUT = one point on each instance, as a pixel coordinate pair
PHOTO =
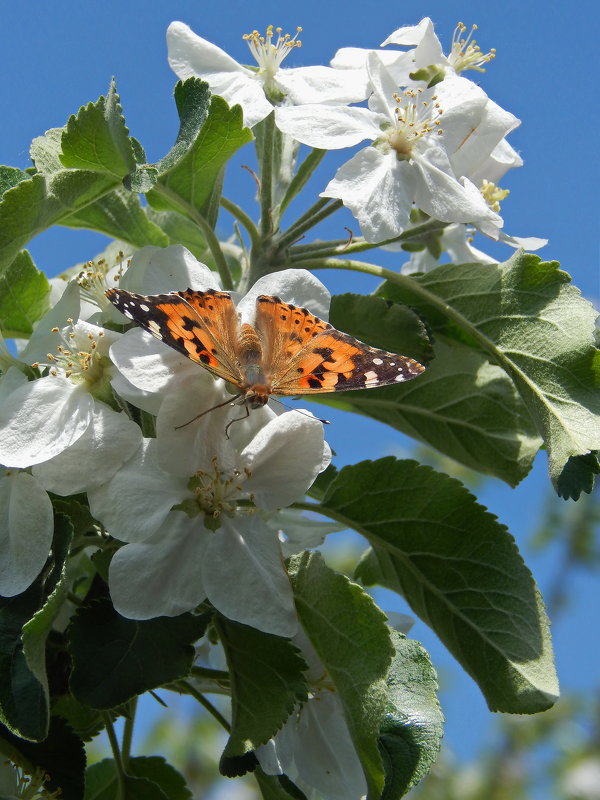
(259, 90)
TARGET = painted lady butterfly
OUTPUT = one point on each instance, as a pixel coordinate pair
(287, 352)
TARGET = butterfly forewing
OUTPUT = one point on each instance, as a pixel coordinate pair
(201, 325)
(305, 355)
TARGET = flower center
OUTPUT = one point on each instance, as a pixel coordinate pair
(268, 53)
(465, 53)
(71, 360)
(493, 194)
(217, 492)
(415, 118)
(93, 282)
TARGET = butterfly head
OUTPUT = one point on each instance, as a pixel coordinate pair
(257, 396)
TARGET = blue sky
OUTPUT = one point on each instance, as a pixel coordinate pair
(58, 56)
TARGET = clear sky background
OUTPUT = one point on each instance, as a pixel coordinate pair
(57, 56)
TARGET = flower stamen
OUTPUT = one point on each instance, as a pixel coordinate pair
(465, 53)
(414, 119)
(493, 194)
(269, 54)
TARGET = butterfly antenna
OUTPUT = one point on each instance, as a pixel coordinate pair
(300, 411)
(237, 419)
(220, 405)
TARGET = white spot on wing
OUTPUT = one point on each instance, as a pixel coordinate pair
(378, 361)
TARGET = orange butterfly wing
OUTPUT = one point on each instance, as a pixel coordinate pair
(302, 354)
(203, 326)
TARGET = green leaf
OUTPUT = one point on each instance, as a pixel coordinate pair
(180, 230)
(37, 629)
(578, 476)
(25, 622)
(533, 324)
(44, 200)
(156, 769)
(23, 699)
(120, 215)
(10, 176)
(115, 658)
(60, 756)
(383, 324)
(97, 138)
(85, 722)
(460, 571)
(101, 783)
(189, 173)
(412, 731)
(192, 98)
(45, 151)
(24, 296)
(300, 179)
(350, 636)
(462, 405)
(267, 682)
(277, 787)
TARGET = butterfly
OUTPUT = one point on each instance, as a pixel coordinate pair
(287, 352)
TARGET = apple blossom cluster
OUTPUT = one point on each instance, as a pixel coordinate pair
(437, 141)
(173, 498)
(186, 507)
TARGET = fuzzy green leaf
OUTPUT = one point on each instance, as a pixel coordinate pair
(44, 200)
(460, 571)
(24, 296)
(120, 215)
(188, 180)
(533, 324)
(97, 138)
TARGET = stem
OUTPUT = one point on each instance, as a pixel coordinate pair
(242, 218)
(218, 675)
(266, 175)
(211, 239)
(128, 732)
(114, 746)
(318, 212)
(189, 689)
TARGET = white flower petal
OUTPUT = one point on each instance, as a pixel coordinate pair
(502, 158)
(44, 339)
(190, 54)
(378, 190)
(42, 418)
(146, 401)
(328, 127)
(134, 504)
(155, 270)
(11, 380)
(110, 439)
(148, 363)
(244, 577)
(296, 286)
(441, 196)
(162, 576)
(186, 444)
(410, 35)
(26, 526)
(319, 84)
(325, 756)
(284, 458)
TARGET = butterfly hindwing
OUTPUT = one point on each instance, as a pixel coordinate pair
(201, 325)
(305, 355)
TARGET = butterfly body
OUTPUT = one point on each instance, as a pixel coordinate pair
(288, 351)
